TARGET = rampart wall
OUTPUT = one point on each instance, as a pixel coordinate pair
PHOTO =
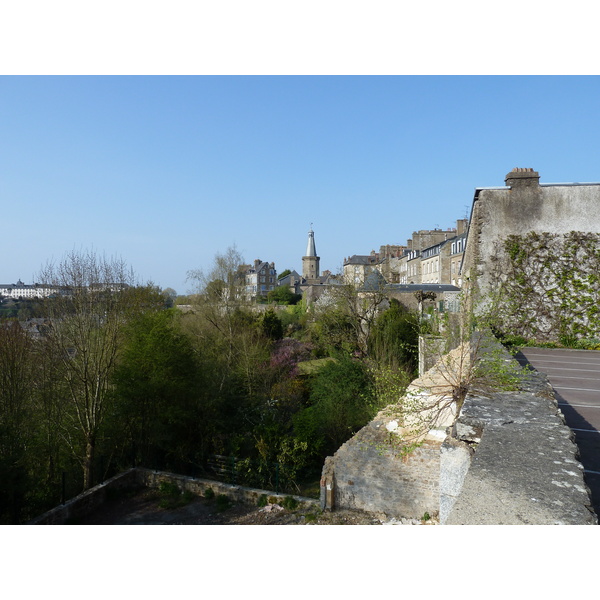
(508, 458)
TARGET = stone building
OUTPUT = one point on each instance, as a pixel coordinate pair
(310, 261)
(358, 267)
(421, 261)
(535, 248)
(260, 279)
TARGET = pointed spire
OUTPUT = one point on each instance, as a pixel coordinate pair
(311, 250)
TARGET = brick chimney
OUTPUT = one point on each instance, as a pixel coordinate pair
(522, 177)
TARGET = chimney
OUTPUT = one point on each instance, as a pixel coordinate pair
(461, 226)
(522, 177)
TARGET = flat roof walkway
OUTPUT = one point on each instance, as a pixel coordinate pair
(575, 377)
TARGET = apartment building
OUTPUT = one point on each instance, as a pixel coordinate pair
(260, 279)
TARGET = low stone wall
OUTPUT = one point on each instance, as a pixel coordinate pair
(92, 499)
(525, 468)
(237, 493)
(87, 502)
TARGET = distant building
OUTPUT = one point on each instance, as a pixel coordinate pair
(430, 256)
(358, 267)
(293, 280)
(310, 261)
(260, 279)
(24, 291)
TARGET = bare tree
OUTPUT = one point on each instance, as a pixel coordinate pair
(87, 314)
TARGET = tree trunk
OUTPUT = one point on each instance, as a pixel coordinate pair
(88, 466)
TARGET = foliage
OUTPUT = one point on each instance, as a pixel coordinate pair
(547, 287)
(223, 502)
(342, 400)
(16, 412)
(282, 294)
(97, 298)
(393, 339)
(290, 503)
(157, 381)
(271, 325)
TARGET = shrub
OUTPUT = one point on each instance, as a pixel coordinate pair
(223, 502)
(289, 503)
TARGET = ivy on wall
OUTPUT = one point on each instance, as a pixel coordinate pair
(546, 286)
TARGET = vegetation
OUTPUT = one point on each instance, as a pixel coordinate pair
(546, 287)
(115, 378)
(283, 295)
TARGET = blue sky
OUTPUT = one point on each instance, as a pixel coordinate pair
(166, 171)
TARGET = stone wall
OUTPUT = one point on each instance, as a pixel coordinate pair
(524, 469)
(506, 458)
(88, 501)
(92, 499)
(368, 473)
(523, 206)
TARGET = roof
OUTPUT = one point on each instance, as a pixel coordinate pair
(311, 249)
(425, 287)
(362, 259)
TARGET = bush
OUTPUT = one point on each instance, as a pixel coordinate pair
(289, 503)
(223, 502)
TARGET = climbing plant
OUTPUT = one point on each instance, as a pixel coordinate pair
(546, 286)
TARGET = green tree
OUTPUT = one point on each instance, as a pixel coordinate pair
(283, 295)
(158, 391)
(271, 325)
(342, 400)
(393, 339)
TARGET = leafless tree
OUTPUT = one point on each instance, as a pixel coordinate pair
(93, 300)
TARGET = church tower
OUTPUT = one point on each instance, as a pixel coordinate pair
(310, 262)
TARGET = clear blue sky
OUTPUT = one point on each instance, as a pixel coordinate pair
(165, 171)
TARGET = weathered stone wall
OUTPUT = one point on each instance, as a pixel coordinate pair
(524, 206)
(525, 468)
(507, 458)
(237, 493)
(368, 473)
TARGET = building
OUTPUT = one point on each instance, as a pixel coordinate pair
(24, 291)
(358, 267)
(430, 254)
(310, 261)
(260, 279)
(535, 250)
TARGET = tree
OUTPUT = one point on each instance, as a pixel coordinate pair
(158, 391)
(283, 295)
(345, 314)
(342, 401)
(271, 325)
(16, 425)
(170, 296)
(393, 339)
(87, 316)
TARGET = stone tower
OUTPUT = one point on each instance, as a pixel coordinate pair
(310, 262)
